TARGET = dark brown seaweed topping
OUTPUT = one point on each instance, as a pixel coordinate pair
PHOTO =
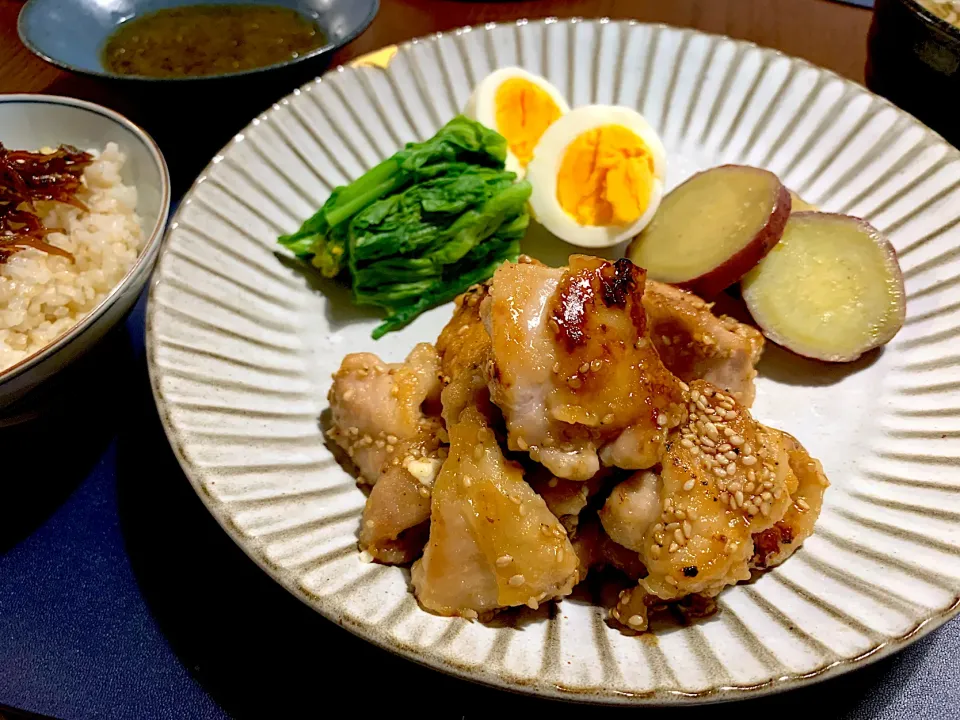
(27, 177)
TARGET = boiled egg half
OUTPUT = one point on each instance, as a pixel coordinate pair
(520, 106)
(597, 175)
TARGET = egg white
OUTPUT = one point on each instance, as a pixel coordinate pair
(543, 169)
(482, 105)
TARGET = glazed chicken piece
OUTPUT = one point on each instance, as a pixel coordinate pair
(385, 416)
(493, 542)
(567, 498)
(572, 370)
(632, 507)
(777, 543)
(381, 412)
(724, 478)
(464, 347)
(695, 344)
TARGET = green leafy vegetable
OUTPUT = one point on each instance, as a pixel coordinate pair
(321, 240)
(423, 226)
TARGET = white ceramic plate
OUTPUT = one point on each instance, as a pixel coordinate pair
(242, 344)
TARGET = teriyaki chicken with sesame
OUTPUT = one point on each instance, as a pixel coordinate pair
(567, 420)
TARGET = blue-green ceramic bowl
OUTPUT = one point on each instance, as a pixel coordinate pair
(71, 33)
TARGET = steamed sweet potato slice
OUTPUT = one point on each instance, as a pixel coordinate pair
(713, 228)
(830, 290)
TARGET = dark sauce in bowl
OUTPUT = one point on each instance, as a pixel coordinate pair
(199, 40)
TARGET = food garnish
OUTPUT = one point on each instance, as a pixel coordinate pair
(29, 177)
(831, 289)
(597, 176)
(422, 226)
(713, 228)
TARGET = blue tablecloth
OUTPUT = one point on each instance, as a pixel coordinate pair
(120, 597)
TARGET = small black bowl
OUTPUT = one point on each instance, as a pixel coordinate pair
(913, 59)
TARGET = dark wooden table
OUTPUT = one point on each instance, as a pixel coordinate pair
(106, 613)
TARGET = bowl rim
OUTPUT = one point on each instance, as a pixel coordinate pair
(107, 75)
(151, 247)
(932, 21)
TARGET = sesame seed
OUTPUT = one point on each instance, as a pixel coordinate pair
(641, 343)
(739, 496)
(424, 492)
(777, 493)
(673, 547)
(686, 443)
(679, 536)
(803, 503)
(666, 340)
(725, 497)
(522, 444)
(635, 621)
(516, 580)
(560, 555)
(467, 482)
(469, 614)
(688, 485)
(504, 560)
(730, 415)
(545, 529)
(719, 471)
(380, 444)
(752, 509)
(514, 499)
(607, 419)
(680, 515)
(749, 487)
(748, 449)
(736, 440)
(684, 386)
(655, 552)
(574, 382)
(522, 509)
(695, 395)
(731, 469)
(724, 448)
(687, 529)
(671, 580)
(730, 455)
(749, 460)
(765, 508)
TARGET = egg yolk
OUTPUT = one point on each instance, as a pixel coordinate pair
(524, 112)
(606, 177)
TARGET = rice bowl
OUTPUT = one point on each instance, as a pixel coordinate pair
(43, 295)
(110, 248)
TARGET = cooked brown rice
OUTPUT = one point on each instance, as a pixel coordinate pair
(43, 296)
